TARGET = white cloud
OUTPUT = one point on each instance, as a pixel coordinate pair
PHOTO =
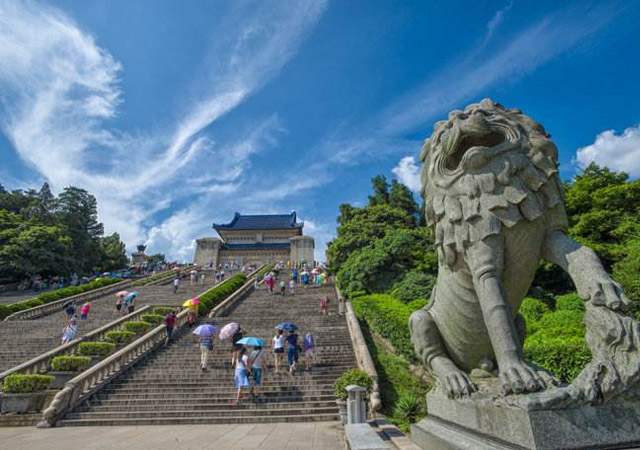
(59, 88)
(620, 152)
(408, 173)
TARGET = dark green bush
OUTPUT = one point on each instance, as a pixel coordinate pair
(214, 296)
(353, 376)
(20, 384)
(91, 348)
(48, 297)
(120, 337)
(137, 327)
(355, 294)
(532, 311)
(4, 311)
(413, 285)
(389, 318)
(152, 318)
(564, 356)
(70, 363)
(163, 311)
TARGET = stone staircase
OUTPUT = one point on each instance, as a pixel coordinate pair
(26, 339)
(169, 387)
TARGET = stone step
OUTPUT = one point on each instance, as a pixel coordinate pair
(233, 419)
(266, 402)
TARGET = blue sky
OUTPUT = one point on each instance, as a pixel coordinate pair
(177, 114)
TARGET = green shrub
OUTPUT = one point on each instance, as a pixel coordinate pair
(353, 376)
(91, 348)
(20, 384)
(532, 311)
(47, 297)
(137, 327)
(70, 363)
(214, 296)
(565, 357)
(415, 305)
(152, 318)
(120, 337)
(163, 310)
(569, 302)
(389, 318)
(4, 311)
(355, 294)
(413, 285)
(409, 409)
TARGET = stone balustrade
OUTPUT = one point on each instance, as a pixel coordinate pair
(42, 362)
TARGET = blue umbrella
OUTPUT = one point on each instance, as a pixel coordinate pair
(205, 330)
(287, 326)
(252, 341)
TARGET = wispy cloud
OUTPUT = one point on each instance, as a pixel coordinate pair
(59, 89)
(408, 173)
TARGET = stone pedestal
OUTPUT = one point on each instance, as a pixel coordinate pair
(466, 424)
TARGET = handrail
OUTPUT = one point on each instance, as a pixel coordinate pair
(90, 381)
(363, 357)
(54, 306)
(42, 362)
(169, 276)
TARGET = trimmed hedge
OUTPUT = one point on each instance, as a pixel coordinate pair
(389, 318)
(153, 319)
(90, 348)
(21, 384)
(120, 337)
(70, 363)
(48, 297)
(163, 310)
(213, 297)
(353, 376)
(137, 327)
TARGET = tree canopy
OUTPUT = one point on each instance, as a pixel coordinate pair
(48, 235)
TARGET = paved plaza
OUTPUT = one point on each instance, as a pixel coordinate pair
(283, 436)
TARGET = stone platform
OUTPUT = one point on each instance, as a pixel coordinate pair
(465, 424)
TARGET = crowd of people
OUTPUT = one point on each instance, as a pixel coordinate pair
(316, 276)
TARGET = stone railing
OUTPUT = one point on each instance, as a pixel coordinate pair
(82, 387)
(55, 306)
(227, 304)
(41, 363)
(167, 278)
(363, 357)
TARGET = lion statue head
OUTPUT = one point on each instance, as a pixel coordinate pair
(484, 168)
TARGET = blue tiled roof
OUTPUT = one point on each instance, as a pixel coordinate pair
(261, 222)
(257, 246)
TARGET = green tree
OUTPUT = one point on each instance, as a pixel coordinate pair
(380, 191)
(114, 255)
(79, 214)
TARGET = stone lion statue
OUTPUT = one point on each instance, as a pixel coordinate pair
(493, 196)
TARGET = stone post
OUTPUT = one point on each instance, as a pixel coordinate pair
(356, 405)
(341, 306)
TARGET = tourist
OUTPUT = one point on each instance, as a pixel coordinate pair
(69, 309)
(118, 305)
(278, 349)
(191, 315)
(304, 279)
(70, 331)
(222, 275)
(258, 369)
(282, 288)
(324, 305)
(292, 350)
(129, 302)
(239, 334)
(170, 323)
(241, 374)
(176, 283)
(309, 346)
(292, 286)
(202, 278)
(294, 275)
(84, 311)
(206, 345)
(194, 277)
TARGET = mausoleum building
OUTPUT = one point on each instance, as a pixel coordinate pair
(256, 239)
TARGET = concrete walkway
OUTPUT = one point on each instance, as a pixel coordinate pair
(281, 436)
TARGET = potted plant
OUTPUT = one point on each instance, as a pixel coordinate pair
(96, 350)
(64, 368)
(24, 393)
(353, 376)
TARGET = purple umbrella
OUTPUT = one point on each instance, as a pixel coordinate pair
(205, 330)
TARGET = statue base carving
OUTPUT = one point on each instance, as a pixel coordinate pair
(468, 424)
